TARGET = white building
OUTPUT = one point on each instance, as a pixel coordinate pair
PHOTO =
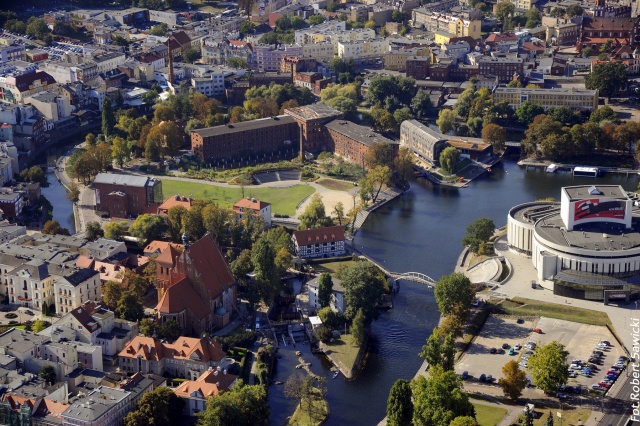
(103, 248)
(72, 290)
(363, 49)
(251, 206)
(30, 285)
(321, 52)
(268, 58)
(319, 242)
(336, 302)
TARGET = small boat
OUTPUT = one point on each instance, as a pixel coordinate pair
(336, 374)
(298, 353)
(551, 168)
(278, 382)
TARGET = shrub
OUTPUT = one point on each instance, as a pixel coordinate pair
(323, 334)
(11, 315)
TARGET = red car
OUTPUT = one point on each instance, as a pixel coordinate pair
(605, 385)
(617, 373)
(537, 330)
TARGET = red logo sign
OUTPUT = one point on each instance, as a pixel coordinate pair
(595, 208)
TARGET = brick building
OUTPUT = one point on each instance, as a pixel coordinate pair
(266, 78)
(351, 141)
(126, 196)
(273, 135)
(596, 31)
(418, 67)
(312, 119)
(501, 67)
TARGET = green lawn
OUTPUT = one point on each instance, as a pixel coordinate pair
(336, 185)
(331, 267)
(488, 415)
(344, 350)
(283, 200)
(313, 415)
(569, 417)
(529, 307)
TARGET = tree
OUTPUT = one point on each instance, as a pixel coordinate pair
(120, 151)
(604, 113)
(474, 126)
(48, 374)
(478, 232)
(38, 325)
(364, 286)
(449, 159)
(316, 19)
(549, 421)
(241, 405)
(446, 121)
(247, 27)
(608, 78)
(358, 328)
(548, 366)
(191, 55)
(464, 421)
(575, 10)
(161, 407)
(505, 10)
(383, 119)
(176, 216)
(129, 307)
(513, 380)
(93, 231)
(38, 28)
(399, 404)
(378, 154)
(52, 227)
(314, 215)
(115, 230)
(147, 327)
(112, 292)
(440, 350)
(586, 52)
(323, 333)
(108, 117)
(90, 139)
(421, 104)
(34, 174)
(160, 30)
(282, 260)
(534, 17)
(527, 111)
(73, 192)
(148, 227)
(453, 291)
(263, 260)
(170, 330)
(438, 400)
(404, 163)
(495, 135)
(237, 63)
(325, 288)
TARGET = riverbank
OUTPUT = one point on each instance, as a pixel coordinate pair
(346, 356)
(568, 167)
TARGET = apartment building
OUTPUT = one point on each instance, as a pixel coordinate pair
(319, 242)
(502, 67)
(73, 289)
(14, 89)
(396, 59)
(268, 58)
(362, 50)
(31, 285)
(352, 141)
(575, 99)
(423, 141)
(322, 51)
(252, 207)
(460, 21)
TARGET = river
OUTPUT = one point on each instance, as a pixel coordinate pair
(62, 208)
(420, 231)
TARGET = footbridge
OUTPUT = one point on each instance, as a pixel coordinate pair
(413, 276)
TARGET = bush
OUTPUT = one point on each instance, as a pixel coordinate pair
(323, 334)
(11, 315)
(243, 340)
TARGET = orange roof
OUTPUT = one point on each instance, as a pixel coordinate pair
(207, 261)
(174, 200)
(251, 203)
(48, 407)
(168, 256)
(109, 271)
(185, 348)
(319, 235)
(475, 146)
(238, 42)
(157, 246)
(84, 262)
(180, 297)
(210, 383)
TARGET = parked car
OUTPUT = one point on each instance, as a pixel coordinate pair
(483, 377)
(572, 374)
(505, 346)
(614, 372)
(537, 330)
(493, 350)
(611, 376)
(604, 385)
(561, 395)
(465, 375)
(501, 351)
(605, 342)
(598, 353)
(520, 321)
(623, 358)
(518, 346)
(596, 386)
(489, 378)
(524, 364)
(512, 351)
(586, 371)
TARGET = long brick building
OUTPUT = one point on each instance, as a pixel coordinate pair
(126, 196)
(351, 141)
(229, 142)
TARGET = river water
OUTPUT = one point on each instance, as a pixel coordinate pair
(418, 232)
(62, 208)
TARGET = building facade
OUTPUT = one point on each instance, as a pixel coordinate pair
(126, 196)
(319, 242)
(575, 99)
(422, 141)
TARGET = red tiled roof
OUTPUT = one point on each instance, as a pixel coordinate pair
(168, 256)
(83, 315)
(23, 81)
(180, 297)
(319, 235)
(175, 200)
(596, 23)
(207, 261)
(85, 262)
(181, 37)
(251, 204)
(148, 348)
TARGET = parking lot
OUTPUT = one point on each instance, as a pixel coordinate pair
(579, 340)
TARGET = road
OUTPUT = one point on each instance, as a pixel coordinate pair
(618, 405)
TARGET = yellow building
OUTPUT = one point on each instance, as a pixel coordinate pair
(576, 99)
(443, 37)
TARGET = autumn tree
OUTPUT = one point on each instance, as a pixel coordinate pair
(112, 292)
(314, 215)
(52, 227)
(175, 216)
(115, 230)
(73, 192)
(120, 151)
(478, 233)
(495, 135)
(513, 380)
(446, 121)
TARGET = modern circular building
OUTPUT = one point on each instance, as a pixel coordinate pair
(586, 246)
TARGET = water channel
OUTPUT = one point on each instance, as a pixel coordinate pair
(420, 232)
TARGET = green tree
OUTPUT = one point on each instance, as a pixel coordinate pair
(115, 230)
(147, 327)
(527, 111)
(241, 405)
(129, 307)
(399, 404)
(176, 216)
(575, 10)
(586, 52)
(48, 374)
(191, 55)
(358, 328)
(161, 407)
(548, 366)
(238, 63)
(608, 78)
(247, 27)
(34, 174)
(549, 421)
(453, 291)
(440, 350)
(93, 231)
(160, 30)
(364, 286)
(464, 421)
(534, 17)
(108, 117)
(148, 227)
(449, 159)
(478, 232)
(316, 19)
(112, 292)
(323, 333)
(38, 28)
(505, 10)
(474, 126)
(90, 139)
(263, 260)
(446, 121)
(73, 192)
(513, 380)
(439, 399)
(604, 113)
(38, 325)
(52, 227)
(314, 215)
(421, 104)
(325, 288)
(170, 330)
(120, 151)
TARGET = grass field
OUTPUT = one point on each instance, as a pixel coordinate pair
(319, 412)
(487, 415)
(569, 417)
(343, 350)
(207, 6)
(529, 307)
(283, 200)
(336, 185)
(331, 267)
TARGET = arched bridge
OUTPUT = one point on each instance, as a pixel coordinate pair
(413, 276)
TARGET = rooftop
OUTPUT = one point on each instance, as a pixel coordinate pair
(314, 111)
(261, 123)
(582, 192)
(362, 134)
(125, 180)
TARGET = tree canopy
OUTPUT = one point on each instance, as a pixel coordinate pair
(242, 405)
(161, 407)
(364, 286)
(478, 232)
(452, 291)
(449, 158)
(513, 380)
(148, 227)
(314, 215)
(440, 350)
(325, 288)
(548, 366)
(399, 404)
(608, 78)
